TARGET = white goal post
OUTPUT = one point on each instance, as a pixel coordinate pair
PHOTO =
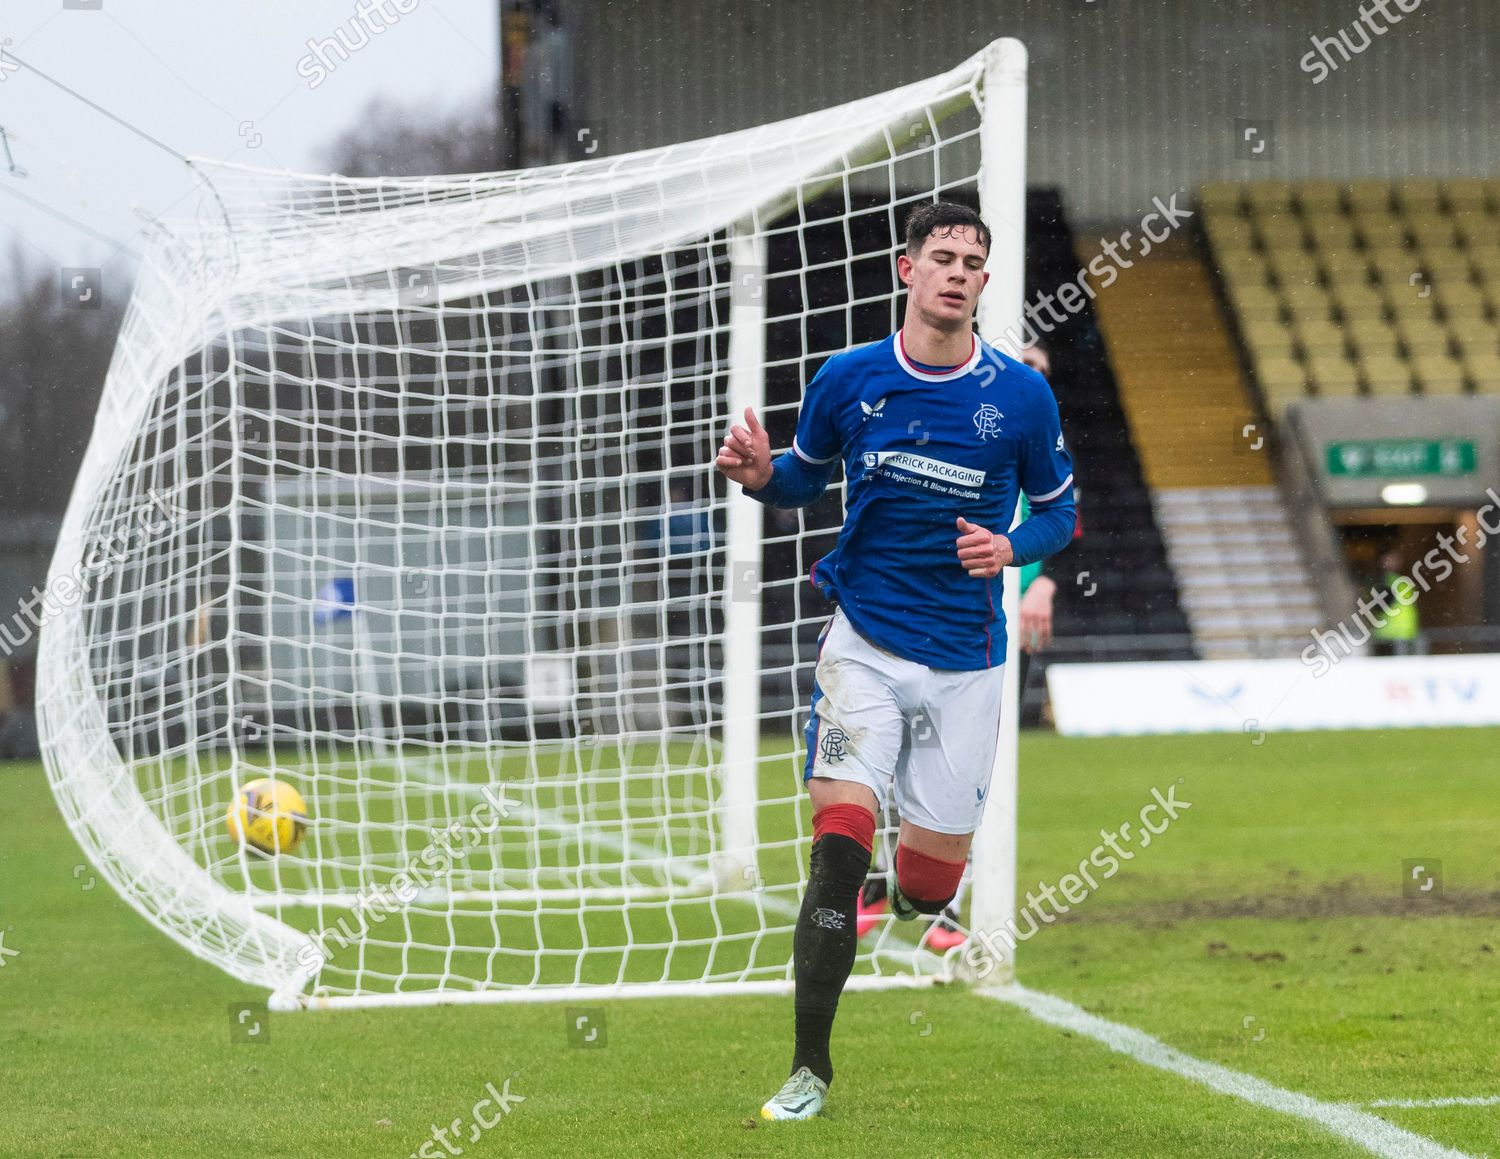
(401, 493)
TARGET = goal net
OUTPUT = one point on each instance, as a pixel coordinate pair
(401, 494)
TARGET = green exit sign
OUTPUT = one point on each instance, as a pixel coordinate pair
(1401, 457)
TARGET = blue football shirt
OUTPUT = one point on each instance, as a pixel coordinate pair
(922, 446)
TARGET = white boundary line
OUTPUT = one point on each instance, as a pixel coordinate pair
(1459, 1101)
(1368, 1131)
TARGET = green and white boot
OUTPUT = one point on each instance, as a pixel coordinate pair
(801, 1098)
(901, 909)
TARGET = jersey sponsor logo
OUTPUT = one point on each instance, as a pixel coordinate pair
(987, 420)
(833, 745)
(921, 465)
(1059, 443)
(876, 411)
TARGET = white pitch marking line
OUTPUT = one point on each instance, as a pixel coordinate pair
(1457, 1101)
(1368, 1131)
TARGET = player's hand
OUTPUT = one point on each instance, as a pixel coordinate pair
(745, 456)
(1036, 614)
(983, 553)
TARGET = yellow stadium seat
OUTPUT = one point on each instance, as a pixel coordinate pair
(1307, 301)
(1221, 196)
(1333, 377)
(1450, 266)
(1267, 339)
(1280, 232)
(1225, 243)
(1484, 373)
(1486, 262)
(1280, 379)
(1269, 197)
(1465, 309)
(1422, 338)
(1372, 340)
(1386, 377)
(1243, 287)
(1346, 267)
(1245, 273)
(1259, 309)
(1399, 270)
(1293, 267)
(1382, 232)
(1465, 193)
(1409, 307)
(1434, 232)
(1438, 375)
(1334, 232)
(1355, 302)
(1418, 194)
(1476, 226)
(1228, 232)
(1368, 194)
(1318, 337)
(1474, 338)
(1319, 196)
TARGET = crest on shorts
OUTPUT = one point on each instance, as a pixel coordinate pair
(833, 745)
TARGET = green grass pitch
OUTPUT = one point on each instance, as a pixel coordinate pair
(1267, 930)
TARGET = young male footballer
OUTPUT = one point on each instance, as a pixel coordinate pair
(938, 433)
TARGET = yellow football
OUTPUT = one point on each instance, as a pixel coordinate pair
(268, 816)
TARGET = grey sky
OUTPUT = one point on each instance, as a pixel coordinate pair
(216, 79)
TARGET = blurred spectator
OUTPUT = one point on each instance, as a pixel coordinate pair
(1400, 635)
(18, 735)
(1037, 590)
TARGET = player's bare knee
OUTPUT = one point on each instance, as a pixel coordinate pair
(826, 791)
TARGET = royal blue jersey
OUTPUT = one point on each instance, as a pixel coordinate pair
(922, 446)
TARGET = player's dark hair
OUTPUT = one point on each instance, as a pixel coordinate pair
(942, 216)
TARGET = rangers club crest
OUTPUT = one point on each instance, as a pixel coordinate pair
(833, 744)
(987, 420)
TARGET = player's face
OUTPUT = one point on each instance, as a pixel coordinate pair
(946, 277)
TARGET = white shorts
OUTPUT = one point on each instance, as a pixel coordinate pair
(877, 718)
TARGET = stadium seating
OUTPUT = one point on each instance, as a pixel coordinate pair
(1115, 580)
(1372, 288)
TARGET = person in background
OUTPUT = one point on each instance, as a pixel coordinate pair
(1400, 635)
(1037, 590)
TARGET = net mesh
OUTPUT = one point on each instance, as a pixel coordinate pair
(401, 493)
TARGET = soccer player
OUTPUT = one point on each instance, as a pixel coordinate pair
(1035, 611)
(938, 433)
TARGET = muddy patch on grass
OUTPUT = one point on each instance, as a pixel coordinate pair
(1335, 901)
